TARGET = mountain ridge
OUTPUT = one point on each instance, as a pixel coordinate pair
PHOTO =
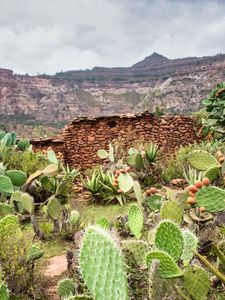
(173, 85)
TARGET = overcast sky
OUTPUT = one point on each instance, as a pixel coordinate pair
(48, 36)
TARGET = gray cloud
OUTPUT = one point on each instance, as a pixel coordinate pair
(49, 36)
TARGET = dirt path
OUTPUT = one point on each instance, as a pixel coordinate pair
(56, 267)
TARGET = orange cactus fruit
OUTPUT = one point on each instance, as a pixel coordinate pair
(198, 184)
(153, 190)
(202, 209)
(148, 192)
(192, 188)
(206, 181)
(191, 200)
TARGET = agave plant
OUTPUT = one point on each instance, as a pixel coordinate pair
(192, 175)
(151, 152)
(94, 182)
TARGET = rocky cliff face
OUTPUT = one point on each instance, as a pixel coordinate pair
(172, 85)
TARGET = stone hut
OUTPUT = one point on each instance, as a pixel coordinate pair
(83, 137)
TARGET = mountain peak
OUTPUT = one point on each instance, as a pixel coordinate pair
(153, 59)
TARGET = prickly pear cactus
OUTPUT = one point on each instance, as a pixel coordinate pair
(66, 288)
(172, 210)
(13, 136)
(138, 193)
(167, 266)
(196, 282)
(154, 281)
(138, 249)
(6, 186)
(139, 163)
(169, 238)
(212, 173)
(211, 198)
(34, 253)
(4, 293)
(52, 157)
(102, 266)
(74, 217)
(154, 202)
(53, 208)
(135, 220)
(2, 134)
(190, 244)
(23, 144)
(103, 154)
(125, 182)
(6, 209)
(50, 170)
(202, 160)
(7, 140)
(27, 203)
(103, 222)
(17, 177)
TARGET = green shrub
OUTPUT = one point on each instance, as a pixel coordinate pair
(14, 246)
(26, 161)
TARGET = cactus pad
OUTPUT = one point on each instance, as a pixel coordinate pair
(139, 163)
(5, 209)
(34, 253)
(17, 177)
(4, 293)
(6, 186)
(103, 222)
(172, 210)
(167, 266)
(103, 154)
(50, 170)
(138, 193)
(168, 238)
(74, 217)
(196, 282)
(125, 182)
(135, 220)
(212, 173)
(27, 202)
(202, 160)
(102, 266)
(154, 202)
(190, 244)
(154, 281)
(23, 144)
(52, 157)
(66, 288)
(53, 208)
(138, 249)
(211, 198)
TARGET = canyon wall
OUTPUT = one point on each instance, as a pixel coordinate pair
(176, 86)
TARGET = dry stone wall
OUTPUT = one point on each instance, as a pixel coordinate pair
(85, 136)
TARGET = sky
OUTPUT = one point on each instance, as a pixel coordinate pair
(47, 36)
